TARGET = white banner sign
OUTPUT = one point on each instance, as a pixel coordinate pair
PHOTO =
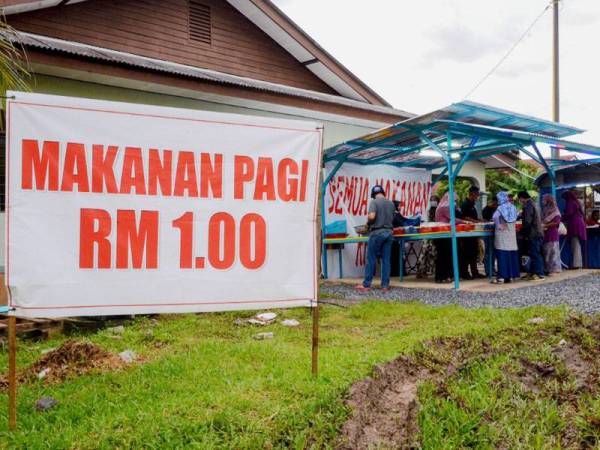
(117, 208)
(347, 198)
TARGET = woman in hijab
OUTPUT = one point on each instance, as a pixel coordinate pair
(550, 223)
(434, 200)
(576, 232)
(444, 267)
(505, 240)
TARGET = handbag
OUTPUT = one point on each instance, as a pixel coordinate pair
(562, 230)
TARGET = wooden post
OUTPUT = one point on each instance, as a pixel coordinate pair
(12, 372)
(315, 340)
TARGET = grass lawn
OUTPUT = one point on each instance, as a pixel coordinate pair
(206, 383)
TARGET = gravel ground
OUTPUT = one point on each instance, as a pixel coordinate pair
(581, 293)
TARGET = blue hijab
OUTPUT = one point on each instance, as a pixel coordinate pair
(506, 208)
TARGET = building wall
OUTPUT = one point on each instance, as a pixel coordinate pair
(159, 29)
(473, 170)
(334, 132)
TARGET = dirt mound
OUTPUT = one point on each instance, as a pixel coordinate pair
(385, 406)
(72, 358)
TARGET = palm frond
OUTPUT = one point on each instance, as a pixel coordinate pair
(13, 73)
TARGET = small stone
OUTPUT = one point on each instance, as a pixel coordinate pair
(116, 330)
(128, 356)
(42, 374)
(256, 322)
(266, 317)
(239, 322)
(48, 350)
(290, 323)
(536, 320)
(45, 403)
(263, 336)
(562, 343)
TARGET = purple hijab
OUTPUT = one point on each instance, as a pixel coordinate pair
(573, 216)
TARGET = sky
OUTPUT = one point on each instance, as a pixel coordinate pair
(421, 55)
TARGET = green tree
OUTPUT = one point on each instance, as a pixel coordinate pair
(13, 73)
(512, 181)
(461, 187)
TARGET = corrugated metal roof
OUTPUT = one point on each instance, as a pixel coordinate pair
(260, 16)
(465, 127)
(130, 59)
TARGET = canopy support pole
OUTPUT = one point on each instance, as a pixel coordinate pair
(540, 158)
(451, 178)
(439, 177)
(335, 169)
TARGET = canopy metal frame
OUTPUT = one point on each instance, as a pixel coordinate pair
(460, 133)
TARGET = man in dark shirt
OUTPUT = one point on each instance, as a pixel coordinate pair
(470, 246)
(489, 210)
(488, 215)
(532, 233)
(380, 220)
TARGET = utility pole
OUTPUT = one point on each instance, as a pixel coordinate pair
(555, 73)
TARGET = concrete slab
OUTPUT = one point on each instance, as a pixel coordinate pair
(481, 285)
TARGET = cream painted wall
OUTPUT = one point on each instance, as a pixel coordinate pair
(474, 170)
(334, 132)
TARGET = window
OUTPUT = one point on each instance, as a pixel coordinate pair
(199, 22)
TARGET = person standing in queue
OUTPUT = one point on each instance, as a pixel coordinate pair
(444, 266)
(532, 233)
(490, 209)
(381, 224)
(505, 240)
(488, 216)
(550, 223)
(434, 201)
(470, 245)
(576, 231)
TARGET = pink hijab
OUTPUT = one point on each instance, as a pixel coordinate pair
(549, 208)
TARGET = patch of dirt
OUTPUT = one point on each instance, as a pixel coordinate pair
(71, 359)
(385, 405)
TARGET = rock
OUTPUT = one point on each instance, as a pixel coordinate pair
(266, 317)
(45, 403)
(239, 322)
(48, 350)
(128, 356)
(263, 336)
(257, 322)
(562, 343)
(290, 323)
(116, 330)
(536, 320)
(42, 374)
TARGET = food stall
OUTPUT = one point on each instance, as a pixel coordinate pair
(444, 141)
